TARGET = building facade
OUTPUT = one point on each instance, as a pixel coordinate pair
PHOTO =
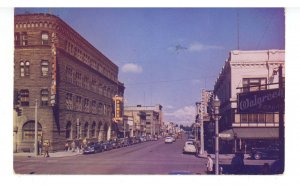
(70, 81)
(147, 120)
(246, 71)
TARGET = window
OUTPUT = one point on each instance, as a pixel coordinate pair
(254, 84)
(44, 67)
(69, 101)
(24, 39)
(17, 39)
(100, 108)
(45, 38)
(22, 68)
(69, 73)
(270, 118)
(28, 131)
(78, 103)
(44, 97)
(93, 130)
(85, 130)
(86, 105)
(94, 106)
(24, 93)
(69, 130)
(27, 67)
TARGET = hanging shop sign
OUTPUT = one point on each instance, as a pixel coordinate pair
(271, 100)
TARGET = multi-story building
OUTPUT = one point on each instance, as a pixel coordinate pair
(247, 71)
(70, 81)
(147, 119)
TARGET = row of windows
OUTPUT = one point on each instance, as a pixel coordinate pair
(88, 83)
(21, 39)
(84, 132)
(24, 97)
(257, 118)
(83, 56)
(25, 68)
(28, 130)
(78, 103)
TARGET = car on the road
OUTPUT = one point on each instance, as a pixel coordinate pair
(106, 145)
(93, 148)
(189, 147)
(269, 152)
(168, 139)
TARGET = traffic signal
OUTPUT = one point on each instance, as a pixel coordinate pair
(17, 98)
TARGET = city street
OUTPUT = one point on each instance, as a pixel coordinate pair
(152, 157)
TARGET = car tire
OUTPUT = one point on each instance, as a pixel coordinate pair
(257, 156)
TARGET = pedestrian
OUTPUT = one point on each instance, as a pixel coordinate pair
(237, 163)
(46, 146)
(67, 146)
(209, 165)
(40, 147)
(73, 145)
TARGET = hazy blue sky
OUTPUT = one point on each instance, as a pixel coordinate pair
(166, 56)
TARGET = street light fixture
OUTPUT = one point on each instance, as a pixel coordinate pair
(216, 105)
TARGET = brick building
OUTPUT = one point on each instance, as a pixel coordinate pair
(72, 82)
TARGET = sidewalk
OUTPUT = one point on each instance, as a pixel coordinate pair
(222, 156)
(51, 154)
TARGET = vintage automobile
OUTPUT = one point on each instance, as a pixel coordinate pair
(93, 148)
(189, 147)
(168, 139)
(269, 152)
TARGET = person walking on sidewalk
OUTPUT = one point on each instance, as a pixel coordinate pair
(46, 154)
(209, 165)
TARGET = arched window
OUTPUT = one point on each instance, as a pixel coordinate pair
(93, 130)
(85, 130)
(28, 131)
(44, 67)
(69, 130)
(27, 67)
(22, 68)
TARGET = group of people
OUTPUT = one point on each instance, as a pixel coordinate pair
(43, 147)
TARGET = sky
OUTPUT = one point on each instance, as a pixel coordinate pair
(167, 55)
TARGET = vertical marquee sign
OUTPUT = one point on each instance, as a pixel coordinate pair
(118, 101)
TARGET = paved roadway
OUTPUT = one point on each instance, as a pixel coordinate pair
(152, 157)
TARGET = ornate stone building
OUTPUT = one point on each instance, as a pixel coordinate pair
(70, 80)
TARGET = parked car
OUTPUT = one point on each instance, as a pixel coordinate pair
(114, 144)
(269, 152)
(189, 147)
(106, 145)
(168, 139)
(93, 148)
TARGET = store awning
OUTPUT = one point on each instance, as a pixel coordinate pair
(251, 133)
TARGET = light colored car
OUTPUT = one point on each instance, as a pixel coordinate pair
(168, 140)
(189, 147)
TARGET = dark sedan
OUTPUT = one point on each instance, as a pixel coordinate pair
(93, 148)
(269, 152)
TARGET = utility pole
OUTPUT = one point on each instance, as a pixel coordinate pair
(281, 122)
(202, 130)
(216, 115)
(35, 131)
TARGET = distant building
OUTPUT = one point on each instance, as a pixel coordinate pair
(72, 82)
(147, 120)
(246, 71)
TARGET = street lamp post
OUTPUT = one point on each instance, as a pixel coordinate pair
(216, 112)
